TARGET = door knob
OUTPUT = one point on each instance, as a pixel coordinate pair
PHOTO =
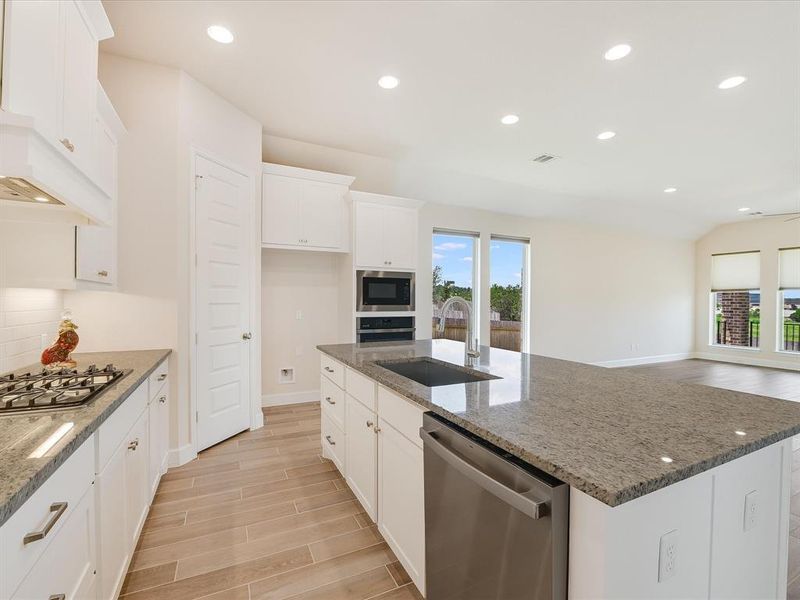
(247, 336)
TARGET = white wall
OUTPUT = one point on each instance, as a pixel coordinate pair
(598, 294)
(293, 281)
(765, 235)
(26, 314)
(166, 114)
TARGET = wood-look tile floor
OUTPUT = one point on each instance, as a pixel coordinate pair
(263, 516)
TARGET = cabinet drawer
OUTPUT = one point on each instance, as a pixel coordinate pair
(111, 433)
(332, 399)
(361, 388)
(402, 414)
(43, 512)
(158, 378)
(333, 444)
(332, 369)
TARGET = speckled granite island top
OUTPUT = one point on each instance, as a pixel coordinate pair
(600, 430)
(21, 434)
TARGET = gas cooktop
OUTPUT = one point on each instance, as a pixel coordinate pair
(48, 390)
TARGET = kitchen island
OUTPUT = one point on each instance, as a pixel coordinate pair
(644, 458)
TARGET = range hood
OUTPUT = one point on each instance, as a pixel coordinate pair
(35, 176)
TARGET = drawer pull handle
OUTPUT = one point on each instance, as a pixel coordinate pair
(133, 445)
(57, 508)
(370, 424)
(162, 377)
(330, 441)
(329, 401)
(163, 400)
(58, 597)
(329, 370)
(103, 273)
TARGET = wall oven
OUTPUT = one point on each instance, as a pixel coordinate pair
(384, 291)
(385, 329)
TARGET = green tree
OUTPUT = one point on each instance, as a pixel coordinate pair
(444, 289)
(507, 300)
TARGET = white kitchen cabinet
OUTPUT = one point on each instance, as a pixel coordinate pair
(303, 209)
(67, 568)
(115, 545)
(158, 415)
(401, 499)
(361, 451)
(385, 236)
(137, 463)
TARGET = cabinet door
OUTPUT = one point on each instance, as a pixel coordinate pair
(79, 87)
(370, 236)
(400, 237)
(362, 450)
(154, 448)
(136, 476)
(280, 210)
(67, 568)
(95, 252)
(401, 500)
(163, 425)
(31, 65)
(115, 543)
(321, 215)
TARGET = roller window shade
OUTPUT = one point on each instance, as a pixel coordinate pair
(789, 273)
(739, 271)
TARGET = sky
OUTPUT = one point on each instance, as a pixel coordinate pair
(454, 254)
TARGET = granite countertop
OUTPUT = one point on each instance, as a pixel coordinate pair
(21, 434)
(600, 430)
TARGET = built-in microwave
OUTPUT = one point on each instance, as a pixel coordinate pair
(384, 291)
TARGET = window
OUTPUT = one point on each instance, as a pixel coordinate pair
(789, 300)
(507, 293)
(455, 263)
(736, 299)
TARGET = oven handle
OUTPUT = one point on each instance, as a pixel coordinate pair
(403, 330)
(535, 509)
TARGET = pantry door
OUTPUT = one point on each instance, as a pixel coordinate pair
(222, 304)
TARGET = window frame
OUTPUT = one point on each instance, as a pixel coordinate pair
(525, 280)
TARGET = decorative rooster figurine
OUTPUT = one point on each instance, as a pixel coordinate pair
(57, 356)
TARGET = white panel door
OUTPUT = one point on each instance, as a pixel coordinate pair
(321, 215)
(222, 236)
(280, 210)
(362, 451)
(369, 236)
(400, 237)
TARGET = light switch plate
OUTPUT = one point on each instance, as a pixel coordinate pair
(751, 510)
(667, 555)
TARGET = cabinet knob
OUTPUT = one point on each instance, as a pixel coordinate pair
(377, 430)
(330, 441)
(103, 273)
(58, 597)
(370, 424)
(329, 401)
(329, 370)
(247, 336)
(163, 400)
(162, 377)
(133, 445)
(67, 144)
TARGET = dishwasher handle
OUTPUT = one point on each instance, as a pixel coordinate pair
(535, 509)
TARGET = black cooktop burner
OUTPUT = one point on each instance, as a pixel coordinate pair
(66, 388)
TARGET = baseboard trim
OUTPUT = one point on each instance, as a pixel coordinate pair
(644, 360)
(743, 359)
(291, 398)
(181, 456)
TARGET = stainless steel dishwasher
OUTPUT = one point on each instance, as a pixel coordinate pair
(495, 527)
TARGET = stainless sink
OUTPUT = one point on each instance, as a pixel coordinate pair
(432, 373)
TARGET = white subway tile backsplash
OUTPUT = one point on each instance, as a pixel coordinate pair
(25, 315)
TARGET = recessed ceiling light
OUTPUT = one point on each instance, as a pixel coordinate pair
(606, 135)
(744, 209)
(220, 34)
(738, 432)
(732, 82)
(510, 120)
(617, 52)
(388, 82)
(41, 199)
(670, 190)
(666, 459)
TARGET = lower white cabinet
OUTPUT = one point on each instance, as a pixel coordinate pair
(362, 443)
(137, 484)
(113, 536)
(401, 500)
(66, 569)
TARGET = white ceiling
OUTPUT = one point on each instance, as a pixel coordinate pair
(308, 71)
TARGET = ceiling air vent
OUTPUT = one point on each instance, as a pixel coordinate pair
(543, 158)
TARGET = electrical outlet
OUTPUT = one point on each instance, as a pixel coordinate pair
(751, 510)
(286, 375)
(667, 555)
(298, 315)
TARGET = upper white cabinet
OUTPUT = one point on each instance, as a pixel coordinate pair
(385, 232)
(303, 209)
